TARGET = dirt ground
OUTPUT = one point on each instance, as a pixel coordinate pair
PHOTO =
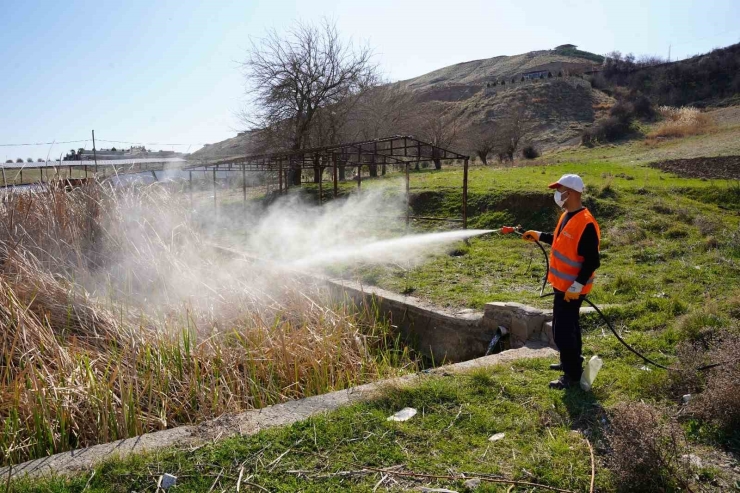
(727, 167)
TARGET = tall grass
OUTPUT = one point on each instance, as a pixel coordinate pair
(117, 321)
(681, 122)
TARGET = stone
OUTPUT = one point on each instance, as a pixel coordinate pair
(167, 481)
(693, 460)
(472, 484)
(496, 437)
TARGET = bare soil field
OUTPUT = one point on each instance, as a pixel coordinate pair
(726, 167)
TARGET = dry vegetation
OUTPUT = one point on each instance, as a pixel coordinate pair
(648, 451)
(116, 322)
(681, 122)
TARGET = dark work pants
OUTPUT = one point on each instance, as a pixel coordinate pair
(567, 334)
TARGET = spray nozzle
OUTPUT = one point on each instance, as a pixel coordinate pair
(507, 229)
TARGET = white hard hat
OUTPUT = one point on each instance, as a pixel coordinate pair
(574, 182)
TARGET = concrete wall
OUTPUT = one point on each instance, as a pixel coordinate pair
(446, 335)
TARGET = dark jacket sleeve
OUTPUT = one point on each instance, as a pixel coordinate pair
(546, 238)
(588, 248)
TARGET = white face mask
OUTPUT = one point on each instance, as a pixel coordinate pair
(559, 199)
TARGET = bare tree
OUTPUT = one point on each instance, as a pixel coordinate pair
(512, 129)
(438, 128)
(385, 110)
(483, 140)
(292, 78)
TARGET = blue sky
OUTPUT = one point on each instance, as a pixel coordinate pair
(167, 71)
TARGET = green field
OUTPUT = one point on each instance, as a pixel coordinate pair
(670, 271)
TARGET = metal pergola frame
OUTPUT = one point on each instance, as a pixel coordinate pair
(398, 150)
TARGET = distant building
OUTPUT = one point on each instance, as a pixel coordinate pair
(537, 74)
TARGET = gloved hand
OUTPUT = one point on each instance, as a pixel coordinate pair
(574, 291)
(531, 235)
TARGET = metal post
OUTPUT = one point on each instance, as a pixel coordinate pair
(21, 176)
(334, 162)
(280, 175)
(95, 155)
(465, 194)
(86, 172)
(408, 196)
(321, 182)
(5, 183)
(244, 182)
(215, 205)
(70, 171)
(359, 166)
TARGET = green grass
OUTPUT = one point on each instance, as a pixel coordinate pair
(456, 416)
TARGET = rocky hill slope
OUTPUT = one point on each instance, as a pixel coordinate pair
(549, 84)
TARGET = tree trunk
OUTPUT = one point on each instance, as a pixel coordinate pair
(342, 172)
(373, 169)
(382, 169)
(483, 158)
(316, 170)
(437, 163)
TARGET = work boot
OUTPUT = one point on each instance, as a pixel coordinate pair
(561, 383)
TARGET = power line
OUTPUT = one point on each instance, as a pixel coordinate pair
(147, 143)
(43, 143)
(99, 140)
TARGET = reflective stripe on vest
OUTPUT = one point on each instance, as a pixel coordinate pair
(568, 261)
(568, 277)
(565, 263)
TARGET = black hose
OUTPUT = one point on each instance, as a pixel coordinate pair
(608, 323)
(547, 266)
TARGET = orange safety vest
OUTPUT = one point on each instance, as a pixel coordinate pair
(565, 263)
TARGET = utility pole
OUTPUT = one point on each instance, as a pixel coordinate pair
(95, 156)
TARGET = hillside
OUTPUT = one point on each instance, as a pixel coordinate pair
(480, 72)
(559, 103)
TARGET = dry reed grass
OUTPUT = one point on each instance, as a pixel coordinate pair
(116, 323)
(681, 122)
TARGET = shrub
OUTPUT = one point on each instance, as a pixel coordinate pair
(700, 325)
(642, 107)
(719, 403)
(707, 225)
(676, 232)
(606, 130)
(661, 208)
(530, 152)
(647, 449)
(627, 233)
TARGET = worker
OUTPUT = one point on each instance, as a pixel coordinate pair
(573, 260)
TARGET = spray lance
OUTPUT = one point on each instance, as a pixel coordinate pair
(519, 231)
